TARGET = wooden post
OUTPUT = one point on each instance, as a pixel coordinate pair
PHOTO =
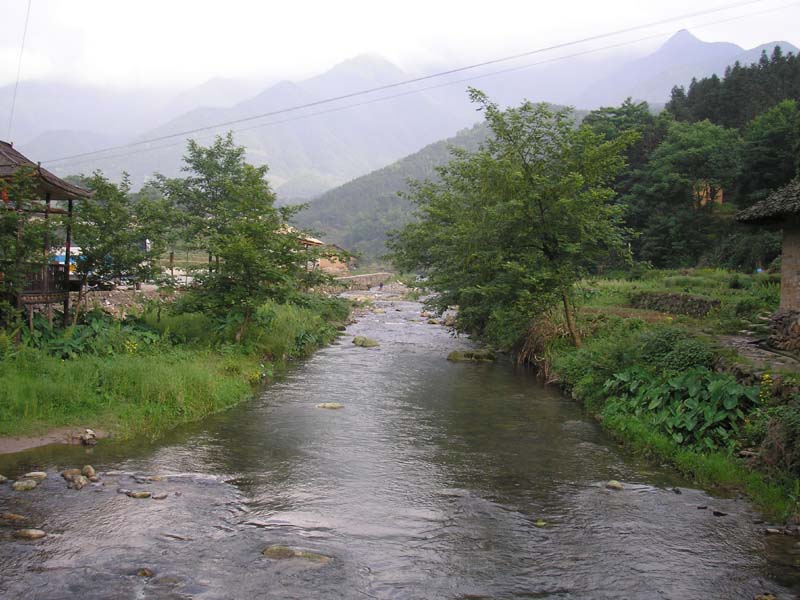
(172, 266)
(67, 256)
(47, 282)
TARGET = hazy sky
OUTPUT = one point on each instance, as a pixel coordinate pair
(181, 42)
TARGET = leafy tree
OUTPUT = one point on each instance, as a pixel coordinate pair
(506, 231)
(672, 200)
(769, 152)
(120, 237)
(229, 210)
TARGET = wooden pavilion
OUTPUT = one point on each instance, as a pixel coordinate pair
(47, 284)
(782, 209)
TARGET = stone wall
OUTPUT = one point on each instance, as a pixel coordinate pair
(785, 330)
(790, 268)
(677, 304)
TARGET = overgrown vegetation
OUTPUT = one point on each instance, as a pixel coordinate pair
(247, 313)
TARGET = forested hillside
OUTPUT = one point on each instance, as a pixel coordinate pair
(358, 214)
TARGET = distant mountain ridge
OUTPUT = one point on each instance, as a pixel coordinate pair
(310, 153)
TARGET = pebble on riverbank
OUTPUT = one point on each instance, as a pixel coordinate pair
(37, 476)
(614, 485)
(7, 516)
(139, 494)
(88, 471)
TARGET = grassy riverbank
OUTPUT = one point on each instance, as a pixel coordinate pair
(151, 372)
(665, 384)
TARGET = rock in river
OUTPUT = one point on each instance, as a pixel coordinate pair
(139, 494)
(88, 471)
(365, 342)
(7, 516)
(284, 552)
(3, 479)
(70, 474)
(78, 482)
(37, 476)
(330, 405)
(23, 485)
(484, 355)
(29, 534)
(614, 485)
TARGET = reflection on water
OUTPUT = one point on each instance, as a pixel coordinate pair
(432, 482)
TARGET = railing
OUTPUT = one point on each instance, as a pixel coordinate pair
(43, 282)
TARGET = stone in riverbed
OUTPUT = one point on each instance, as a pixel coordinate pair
(330, 405)
(88, 471)
(161, 496)
(78, 482)
(23, 485)
(614, 485)
(139, 494)
(3, 479)
(484, 355)
(70, 474)
(284, 552)
(88, 437)
(365, 342)
(37, 476)
(7, 516)
(145, 572)
(29, 534)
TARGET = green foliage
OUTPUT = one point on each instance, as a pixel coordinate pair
(112, 230)
(228, 209)
(696, 407)
(508, 230)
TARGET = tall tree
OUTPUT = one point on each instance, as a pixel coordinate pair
(508, 230)
(229, 211)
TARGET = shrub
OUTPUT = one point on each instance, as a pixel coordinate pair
(688, 353)
(697, 407)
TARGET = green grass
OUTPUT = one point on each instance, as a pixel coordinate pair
(194, 370)
(711, 469)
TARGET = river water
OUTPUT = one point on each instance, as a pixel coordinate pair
(432, 482)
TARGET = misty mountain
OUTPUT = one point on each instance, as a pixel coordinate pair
(358, 214)
(680, 58)
(315, 149)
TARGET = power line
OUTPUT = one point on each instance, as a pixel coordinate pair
(19, 71)
(403, 83)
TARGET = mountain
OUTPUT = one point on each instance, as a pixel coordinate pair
(680, 58)
(307, 153)
(358, 214)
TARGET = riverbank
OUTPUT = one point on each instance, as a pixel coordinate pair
(657, 369)
(150, 372)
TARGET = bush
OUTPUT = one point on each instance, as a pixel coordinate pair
(780, 438)
(688, 353)
(696, 408)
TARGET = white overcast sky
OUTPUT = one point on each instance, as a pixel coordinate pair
(183, 42)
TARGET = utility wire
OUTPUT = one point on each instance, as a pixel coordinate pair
(19, 71)
(405, 82)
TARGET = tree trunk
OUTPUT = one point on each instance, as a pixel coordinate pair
(80, 297)
(243, 328)
(573, 330)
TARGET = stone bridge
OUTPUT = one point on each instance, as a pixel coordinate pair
(364, 282)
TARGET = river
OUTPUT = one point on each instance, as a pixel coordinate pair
(436, 480)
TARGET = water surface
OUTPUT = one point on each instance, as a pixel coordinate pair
(432, 482)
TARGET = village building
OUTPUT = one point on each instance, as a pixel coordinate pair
(782, 209)
(47, 282)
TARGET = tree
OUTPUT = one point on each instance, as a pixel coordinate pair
(120, 237)
(673, 199)
(228, 209)
(769, 153)
(507, 230)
